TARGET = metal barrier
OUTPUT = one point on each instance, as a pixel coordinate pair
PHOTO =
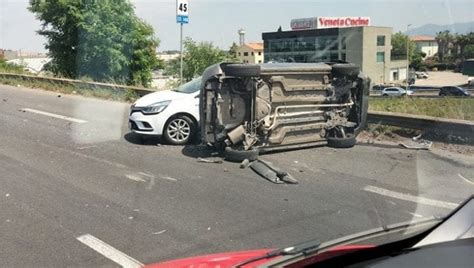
(442, 125)
(77, 83)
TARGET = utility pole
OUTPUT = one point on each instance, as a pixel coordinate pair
(408, 55)
(181, 55)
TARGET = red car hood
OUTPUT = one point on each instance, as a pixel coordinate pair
(219, 260)
(230, 259)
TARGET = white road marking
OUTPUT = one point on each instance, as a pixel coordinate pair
(416, 215)
(109, 252)
(168, 178)
(75, 120)
(146, 174)
(411, 198)
(134, 178)
(465, 179)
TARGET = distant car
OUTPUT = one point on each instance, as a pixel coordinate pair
(421, 75)
(470, 81)
(172, 114)
(453, 91)
(396, 92)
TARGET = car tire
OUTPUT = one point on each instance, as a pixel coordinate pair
(385, 95)
(179, 130)
(340, 70)
(236, 155)
(348, 142)
(246, 70)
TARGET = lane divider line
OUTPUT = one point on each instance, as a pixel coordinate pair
(109, 252)
(410, 198)
(465, 179)
(75, 120)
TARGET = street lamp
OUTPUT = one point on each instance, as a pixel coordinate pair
(408, 56)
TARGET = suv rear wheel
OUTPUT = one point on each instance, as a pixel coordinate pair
(342, 142)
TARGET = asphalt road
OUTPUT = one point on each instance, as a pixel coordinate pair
(76, 172)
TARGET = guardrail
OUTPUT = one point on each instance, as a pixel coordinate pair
(441, 125)
(78, 83)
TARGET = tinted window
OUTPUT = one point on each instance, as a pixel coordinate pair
(381, 40)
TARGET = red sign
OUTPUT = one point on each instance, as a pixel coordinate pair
(329, 22)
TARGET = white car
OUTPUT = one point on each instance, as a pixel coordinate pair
(171, 114)
(396, 92)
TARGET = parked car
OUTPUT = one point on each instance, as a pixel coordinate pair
(421, 75)
(172, 114)
(249, 108)
(454, 91)
(378, 87)
(396, 92)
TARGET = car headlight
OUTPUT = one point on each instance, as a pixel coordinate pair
(155, 108)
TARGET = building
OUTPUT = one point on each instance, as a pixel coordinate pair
(350, 39)
(250, 53)
(425, 44)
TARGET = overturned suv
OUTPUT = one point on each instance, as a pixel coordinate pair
(247, 109)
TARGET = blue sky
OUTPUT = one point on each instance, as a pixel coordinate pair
(218, 20)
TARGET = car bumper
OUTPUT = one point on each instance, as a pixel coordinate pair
(147, 124)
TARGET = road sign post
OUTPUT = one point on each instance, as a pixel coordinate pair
(182, 17)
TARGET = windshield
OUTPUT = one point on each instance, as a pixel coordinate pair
(138, 131)
(189, 87)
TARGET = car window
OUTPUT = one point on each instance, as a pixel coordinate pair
(189, 87)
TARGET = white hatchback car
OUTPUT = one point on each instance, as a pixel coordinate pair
(396, 92)
(171, 114)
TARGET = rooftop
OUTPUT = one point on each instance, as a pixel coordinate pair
(255, 46)
(420, 38)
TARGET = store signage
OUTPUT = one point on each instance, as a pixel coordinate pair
(329, 22)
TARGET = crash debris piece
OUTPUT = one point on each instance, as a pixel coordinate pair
(272, 173)
(417, 144)
(213, 161)
(244, 163)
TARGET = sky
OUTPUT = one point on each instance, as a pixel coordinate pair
(218, 21)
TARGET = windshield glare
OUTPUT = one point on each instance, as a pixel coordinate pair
(140, 131)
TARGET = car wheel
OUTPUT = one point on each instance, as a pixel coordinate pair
(237, 69)
(236, 155)
(347, 142)
(179, 130)
(442, 94)
(339, 70)
(385, 95)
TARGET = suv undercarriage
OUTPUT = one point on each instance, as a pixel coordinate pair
(248, 108)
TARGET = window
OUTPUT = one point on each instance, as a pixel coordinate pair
(246, 54)
(252, 53)
(260, 53)
(380, 40)
(259, 61)
(343, 56)
(380, 56)
(239, 54)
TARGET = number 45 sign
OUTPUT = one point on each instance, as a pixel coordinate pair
(182, 11)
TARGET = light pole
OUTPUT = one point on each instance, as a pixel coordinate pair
(408, 56)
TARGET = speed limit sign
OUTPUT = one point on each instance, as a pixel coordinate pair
(182, 11)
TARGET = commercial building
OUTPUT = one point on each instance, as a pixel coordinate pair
(425, 44)
(329, 39)
(250, 53)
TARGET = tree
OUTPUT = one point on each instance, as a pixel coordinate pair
(233, 51)
(445, 42)
(469, 51)
(103, 40)
(399, 47)
(196, 58)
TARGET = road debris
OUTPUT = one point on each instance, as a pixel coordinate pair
(272, 173)
(244, 163)
(5, 99)
(7, 195)
(213, 161)
(59, 95)
(160, 232)
(417, 144)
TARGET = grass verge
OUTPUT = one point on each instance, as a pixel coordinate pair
(453, 108)
(88, 91)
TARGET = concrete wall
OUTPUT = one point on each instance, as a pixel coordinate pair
(379, 72)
